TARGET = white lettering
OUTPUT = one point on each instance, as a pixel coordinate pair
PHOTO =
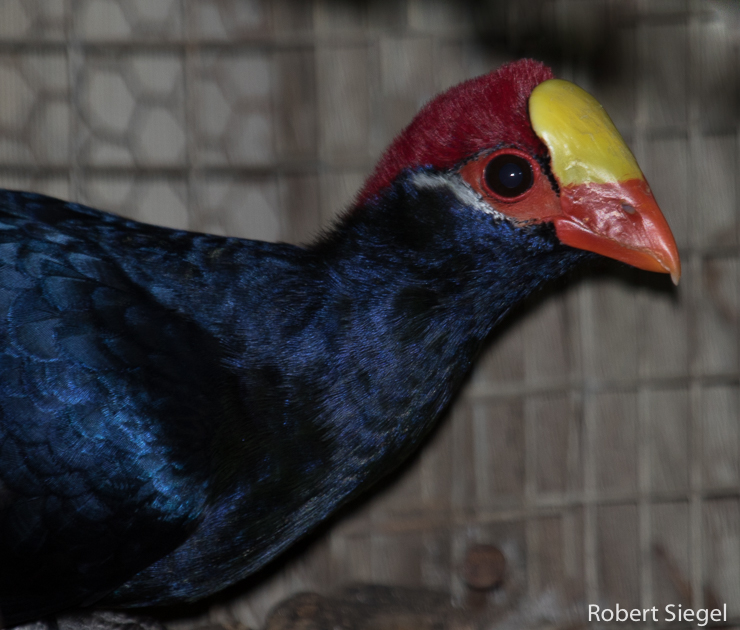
(618, 616)
(673, 612)
(669, 611)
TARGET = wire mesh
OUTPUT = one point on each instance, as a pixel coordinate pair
(598, 441)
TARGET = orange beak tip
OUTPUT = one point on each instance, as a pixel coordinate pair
(618, 220)
(676, 276)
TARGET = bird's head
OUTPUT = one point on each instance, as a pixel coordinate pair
(530, 149)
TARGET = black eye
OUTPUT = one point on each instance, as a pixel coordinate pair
(508, 175)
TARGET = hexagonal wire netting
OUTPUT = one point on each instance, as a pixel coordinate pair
(598, 441)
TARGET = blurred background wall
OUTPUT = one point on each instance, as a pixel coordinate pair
(598, 443)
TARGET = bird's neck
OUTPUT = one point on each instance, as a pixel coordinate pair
(419, 281)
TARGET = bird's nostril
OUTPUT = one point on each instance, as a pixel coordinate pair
(629, 209)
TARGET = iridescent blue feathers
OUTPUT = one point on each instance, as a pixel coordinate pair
(176, 408)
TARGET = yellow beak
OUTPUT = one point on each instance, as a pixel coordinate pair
(606, 204)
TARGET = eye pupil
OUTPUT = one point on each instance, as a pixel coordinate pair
(509, 175)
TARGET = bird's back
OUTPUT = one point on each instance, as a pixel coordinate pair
(110, 402)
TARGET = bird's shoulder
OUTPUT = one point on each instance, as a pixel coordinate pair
(104, 391)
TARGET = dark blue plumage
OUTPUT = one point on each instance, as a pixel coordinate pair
(178, 408)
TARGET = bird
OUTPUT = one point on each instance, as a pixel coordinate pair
(178, 408)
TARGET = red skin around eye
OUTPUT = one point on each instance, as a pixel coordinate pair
(620, 220)
(535, 205)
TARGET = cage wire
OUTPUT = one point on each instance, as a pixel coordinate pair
(597, 443)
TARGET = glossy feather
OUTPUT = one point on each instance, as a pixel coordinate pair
(178, 408)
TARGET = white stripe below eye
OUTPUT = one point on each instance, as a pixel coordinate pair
(457, 185)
